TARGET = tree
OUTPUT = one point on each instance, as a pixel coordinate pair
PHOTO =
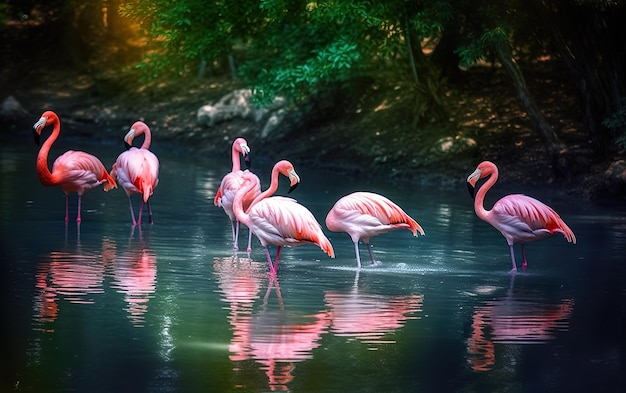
(498, 24)
(588, 35)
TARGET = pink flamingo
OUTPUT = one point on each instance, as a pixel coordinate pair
(231, 182)
(278, 220)
(518, 217)
(364, 215)
(73, 171)
(137, 170)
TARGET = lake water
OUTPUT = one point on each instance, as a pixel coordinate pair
(103, 307)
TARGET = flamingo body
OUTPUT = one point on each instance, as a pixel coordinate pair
(519, 218)
(137, 170)
(280, 221)
(364, 215)
(73, 171)
(231, 182)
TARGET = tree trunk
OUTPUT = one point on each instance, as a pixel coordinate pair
(587, 36)
(553, 144)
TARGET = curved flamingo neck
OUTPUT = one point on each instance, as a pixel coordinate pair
(147, 135)
(270, 190)
(240, 214)
(480, 195)
(43, 171)
(236, 160)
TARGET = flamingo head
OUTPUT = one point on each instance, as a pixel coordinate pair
(46, 119)
(286, 169)
(483, 169)
(245, 150)
(138, 128)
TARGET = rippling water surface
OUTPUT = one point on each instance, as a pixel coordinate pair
(102, 306)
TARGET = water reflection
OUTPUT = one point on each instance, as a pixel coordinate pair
(134, 275)
(370, 317)
(517, 318)
(273, 337)
(74, 276)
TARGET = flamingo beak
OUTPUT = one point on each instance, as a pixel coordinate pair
(246, 155)
(294, 179)
(36, 137)
(37, 129)
(128, 138)
(471, 182)
(470, 188)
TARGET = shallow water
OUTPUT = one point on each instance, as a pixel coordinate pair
(100, 306)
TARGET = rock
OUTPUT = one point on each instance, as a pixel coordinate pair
(12, 110)
(238, 104)
(615, 178)
(453, 146)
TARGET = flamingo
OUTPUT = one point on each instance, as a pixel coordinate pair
(231, 182)
(519, 218)
(73, 171)
(366, 214)
(137, 170)
(279, 221)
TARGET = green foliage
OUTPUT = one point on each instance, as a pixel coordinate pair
(291, 47)
(616, 122)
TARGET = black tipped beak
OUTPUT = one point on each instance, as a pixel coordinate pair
(36, 137)
(247, 160)
(292, 188)
(470, 188)
(127, 145)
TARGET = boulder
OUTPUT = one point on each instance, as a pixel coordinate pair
(239, 105)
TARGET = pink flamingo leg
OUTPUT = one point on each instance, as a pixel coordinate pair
(78, 214)
(369, 248)
(67, 207)
(269, 261)
(358, 258)
(276, 259)
(150, 220)
(140, 212)
(132, 213)
(249, 249)
(524, 263)
(514, 266)
(235, 225)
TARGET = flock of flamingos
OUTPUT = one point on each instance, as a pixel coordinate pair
(282, 221)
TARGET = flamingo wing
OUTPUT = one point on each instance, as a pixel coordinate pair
(77, 171)
(284, 222)
(365, 214)
(522, 218)
(231, 183)
(137, 171)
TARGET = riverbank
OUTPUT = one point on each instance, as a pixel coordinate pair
(377, 140)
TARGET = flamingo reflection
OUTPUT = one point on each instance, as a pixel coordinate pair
(370, 317)
(74, 276)
(134, 275)
(514, 319)
(273, 337)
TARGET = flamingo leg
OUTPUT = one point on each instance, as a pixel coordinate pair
(140, 211)
(269, 261)
(276, 259)
(150, 220)
(78, 214)
(235, 225)
(514, 266)
(369, 248)
(249, 249)
(132, 213)
(524, 263)
(67, 207)
(358, 258)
